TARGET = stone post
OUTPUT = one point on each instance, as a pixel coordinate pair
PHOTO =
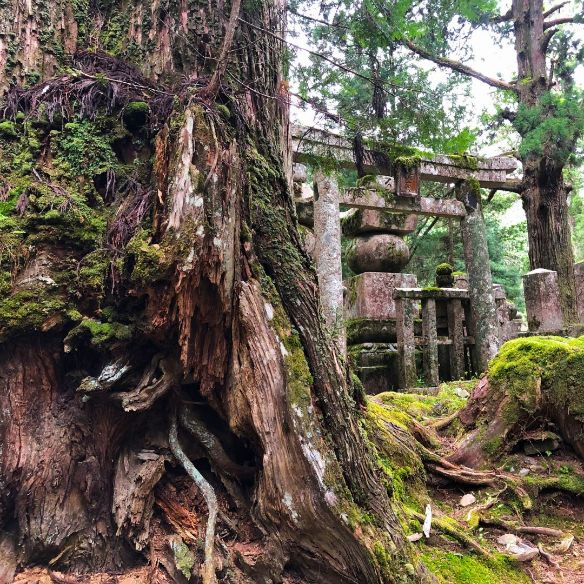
(430, 334)
(406, 310)
(480, 281)
(456, 332)
(542, 301)
(579, 273)
(327, 232)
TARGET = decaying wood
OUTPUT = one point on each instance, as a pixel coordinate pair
(137, 473)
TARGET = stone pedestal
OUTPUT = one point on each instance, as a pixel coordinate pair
(579, 273)
(377, 254)
(370, 294)
(542, 301)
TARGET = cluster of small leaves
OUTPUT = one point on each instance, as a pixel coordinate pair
(391, 96)
(552, 127)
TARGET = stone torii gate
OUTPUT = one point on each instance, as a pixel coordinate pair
(398, 194)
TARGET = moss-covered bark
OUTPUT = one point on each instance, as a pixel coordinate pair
(150, 259)
(530, 382)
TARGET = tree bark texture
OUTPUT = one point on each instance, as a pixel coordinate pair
(543, 191)
(192, 292)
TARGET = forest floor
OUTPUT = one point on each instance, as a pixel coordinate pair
(178, 503)
(450, 561)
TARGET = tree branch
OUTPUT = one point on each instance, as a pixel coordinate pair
(546, 38)
(555, 8)
(503, 17)
(558, 21)
(459, 67)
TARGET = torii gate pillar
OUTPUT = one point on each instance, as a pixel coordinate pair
(480, 281)
(327, 251)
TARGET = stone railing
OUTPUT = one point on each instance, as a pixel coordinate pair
(455, 303)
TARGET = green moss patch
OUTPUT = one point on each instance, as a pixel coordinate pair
(456, 568)
(424, 406)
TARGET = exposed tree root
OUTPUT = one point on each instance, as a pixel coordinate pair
(512, 527)
(442, 423)
(192, 420)
(467, 476)
(208, 493)
(162, 374)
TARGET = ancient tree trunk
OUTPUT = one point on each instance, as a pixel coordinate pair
(545, 201)
(151, 264)
(543, 193)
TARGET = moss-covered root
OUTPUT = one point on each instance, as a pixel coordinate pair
(530, 382)
(450, 527)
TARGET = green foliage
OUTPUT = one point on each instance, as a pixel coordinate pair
(577, 215)
(551, 127)
(51, 206)
(99, 334)
(444, 269)
(391, 97)
(8, 129)
(28, 310)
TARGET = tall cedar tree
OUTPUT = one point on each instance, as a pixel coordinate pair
(162, 352)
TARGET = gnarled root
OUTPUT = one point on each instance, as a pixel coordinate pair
(160, 376)
(208, 493)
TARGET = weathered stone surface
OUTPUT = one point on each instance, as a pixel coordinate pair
(437, 293)
(461, 281)
(406, 310)
(308, 240)
(309, 143)
(305, 212)
(483, 313)
(365, 330)
(456, 330)
(373, 354)
(370, 295)
(542, 301)
(327, 252)
(363, 198)
(380, 252)
(372, 221)
(299, 172)
(579, 273)
(444, 277)
(499, 292)
(430, 351)
(377, 379)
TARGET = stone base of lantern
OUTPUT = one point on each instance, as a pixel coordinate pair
(370, 294)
